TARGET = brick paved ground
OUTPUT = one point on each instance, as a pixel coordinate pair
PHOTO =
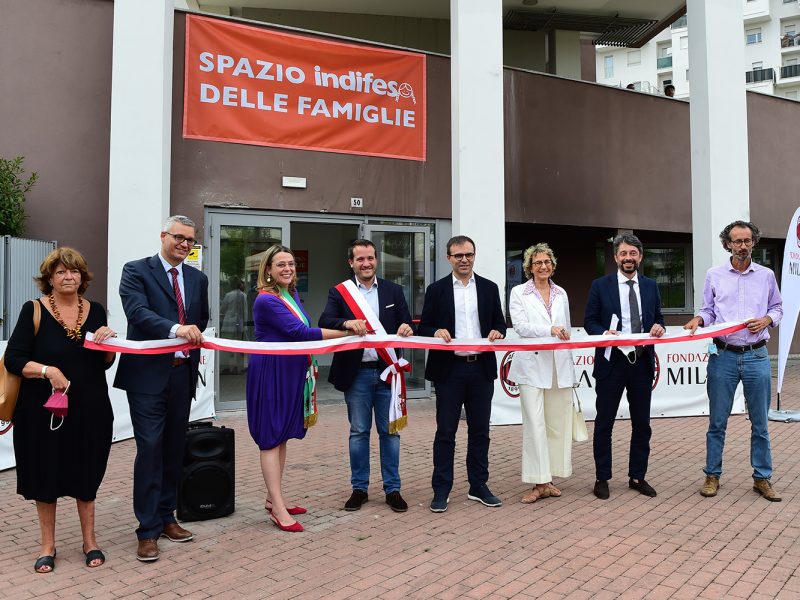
(678, 545)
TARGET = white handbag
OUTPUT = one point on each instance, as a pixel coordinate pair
(579, 431)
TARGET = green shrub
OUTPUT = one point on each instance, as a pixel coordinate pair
(13, 187)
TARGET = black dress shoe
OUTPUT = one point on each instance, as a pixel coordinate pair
(396, 502)
(357, 498)
(642, 487)
(601, 489)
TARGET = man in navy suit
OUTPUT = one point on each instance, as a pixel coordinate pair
(462, 305)
(624, 302)
(162, 298)
(357, 374)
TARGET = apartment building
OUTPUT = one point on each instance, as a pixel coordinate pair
(771, 39)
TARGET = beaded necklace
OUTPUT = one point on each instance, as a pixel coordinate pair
(73, 333)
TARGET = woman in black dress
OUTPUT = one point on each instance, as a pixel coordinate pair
(69, 460)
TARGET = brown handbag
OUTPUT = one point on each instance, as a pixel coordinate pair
(9, 383)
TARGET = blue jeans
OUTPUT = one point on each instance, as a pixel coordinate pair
(725, 370)
(367, 394)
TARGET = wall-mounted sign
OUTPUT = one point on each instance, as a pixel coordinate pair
(251, 85)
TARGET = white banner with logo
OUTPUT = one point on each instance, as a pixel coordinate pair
(679, 386)
(790, 292)
(202, 405)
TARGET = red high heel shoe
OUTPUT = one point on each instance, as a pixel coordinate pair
(293, 528)
(294, 510)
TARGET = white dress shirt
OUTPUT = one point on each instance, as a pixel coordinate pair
(624, 302)
(468, 325)
(371, 296)
(173, 330)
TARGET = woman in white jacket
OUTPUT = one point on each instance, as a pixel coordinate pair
(540, 308)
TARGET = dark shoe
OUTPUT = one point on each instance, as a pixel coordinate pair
(93, 555)
(601, 489)
(357, 498)
(293, 528)
(484, 496)
(710, 487)
(439, 503)
(175, 533)
(642, 487)
(45, 564)
(764, 487)
(396, 502)
(148, 550)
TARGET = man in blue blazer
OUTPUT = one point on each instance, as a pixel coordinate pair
(162, 298)
(357, 374)
(624, 302)
(462, 305)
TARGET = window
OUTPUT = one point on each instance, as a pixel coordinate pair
(634, 58)
(687, 74)
(789, 29)
(685, 42)
(757, 66)
(789, 62)
(609, 66)
(670, 267)
(791, 95)
(753, 35)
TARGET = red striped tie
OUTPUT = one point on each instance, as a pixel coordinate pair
(181, 310)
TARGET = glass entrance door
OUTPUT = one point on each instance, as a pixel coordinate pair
(237, 246)
(404, 258)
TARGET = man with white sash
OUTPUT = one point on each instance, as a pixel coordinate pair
(373, 380)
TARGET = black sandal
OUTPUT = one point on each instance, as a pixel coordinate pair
(95, 554)
(45, 561)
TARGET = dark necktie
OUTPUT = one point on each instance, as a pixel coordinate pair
(636, 318)
(178, 298)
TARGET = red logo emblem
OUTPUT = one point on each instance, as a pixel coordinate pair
(657, 370)
(509, 387)
(797, 233)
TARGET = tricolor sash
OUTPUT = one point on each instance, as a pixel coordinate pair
(394, 373)
(310, 411)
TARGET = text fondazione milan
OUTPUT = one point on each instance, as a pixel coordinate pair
(255, 86)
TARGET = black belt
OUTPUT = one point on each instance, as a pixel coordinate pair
(177, 362)
(468, 358)
(738, 349)
(372, 364)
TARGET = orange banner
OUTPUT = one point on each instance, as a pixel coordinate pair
(253, 86)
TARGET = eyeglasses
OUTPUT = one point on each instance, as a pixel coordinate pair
(283, 265)
(739, 243)
(182, 238)
(542, 263)
(459, 257)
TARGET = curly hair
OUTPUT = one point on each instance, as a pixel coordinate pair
(725, 234)
(265, 282)
(71, 259)
(527, 258)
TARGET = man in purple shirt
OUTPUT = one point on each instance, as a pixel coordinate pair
(738, 290)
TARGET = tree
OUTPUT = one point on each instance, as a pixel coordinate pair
(13, 187)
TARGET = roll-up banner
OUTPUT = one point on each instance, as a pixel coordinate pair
(790, 293)
(251, 85)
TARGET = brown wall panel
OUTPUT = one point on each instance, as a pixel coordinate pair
(215, 173)
(55, 110)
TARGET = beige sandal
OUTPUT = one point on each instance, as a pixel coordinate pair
(535, 494)
(554, 491)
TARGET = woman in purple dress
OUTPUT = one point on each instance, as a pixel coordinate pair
(280, 401)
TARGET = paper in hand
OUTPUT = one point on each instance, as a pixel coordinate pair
(611, 327)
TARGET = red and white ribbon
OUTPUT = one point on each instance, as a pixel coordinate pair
(355, 342)
(395, 373)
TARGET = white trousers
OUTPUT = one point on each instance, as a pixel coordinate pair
(546, 433)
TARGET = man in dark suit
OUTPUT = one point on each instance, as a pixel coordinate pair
(357, 374)
(462, 305)
(162, 298)
(624, 302)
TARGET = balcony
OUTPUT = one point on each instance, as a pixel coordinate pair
(790, 71)
(665, 62)
(759, 75)
(790, 41)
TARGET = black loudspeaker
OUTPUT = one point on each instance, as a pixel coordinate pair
(206, 488)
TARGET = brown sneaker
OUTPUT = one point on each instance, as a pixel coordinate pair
(710, 487)
(148, 550)
(175, 533)
(764, 487)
